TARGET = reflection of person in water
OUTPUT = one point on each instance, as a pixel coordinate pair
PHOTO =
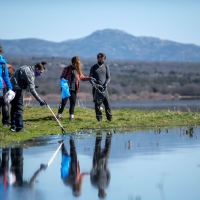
(17, 168)
(14, 176)
(17, 165)
(100, 175)
(70, 169)
(4, 164)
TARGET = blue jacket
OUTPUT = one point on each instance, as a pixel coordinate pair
(4, 76)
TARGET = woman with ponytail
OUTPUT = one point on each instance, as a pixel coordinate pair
(24, 78)
(72, 74)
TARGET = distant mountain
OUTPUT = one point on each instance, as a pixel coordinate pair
(116, 44)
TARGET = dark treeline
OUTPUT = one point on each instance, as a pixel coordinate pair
(129, 79)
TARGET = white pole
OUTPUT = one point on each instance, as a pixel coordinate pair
(55, 154)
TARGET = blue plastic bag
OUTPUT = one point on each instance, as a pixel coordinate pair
(65, 166)
(65, 88)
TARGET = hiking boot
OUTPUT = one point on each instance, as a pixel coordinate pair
(12, 129)
(21, 130)
(58, 117)
(99, 119)
(5, 125)
(109, 119)
(71, 116)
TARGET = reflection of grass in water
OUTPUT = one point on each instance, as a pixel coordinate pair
(39, 121)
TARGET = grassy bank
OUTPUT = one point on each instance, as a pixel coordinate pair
(40, 121)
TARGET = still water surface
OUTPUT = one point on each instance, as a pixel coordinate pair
(139, 165)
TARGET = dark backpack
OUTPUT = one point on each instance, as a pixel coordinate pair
(21, 82)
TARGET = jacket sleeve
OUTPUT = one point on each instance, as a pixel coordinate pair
(6, 78)
(108, 176)
(64, 73)
(92, 73)
(31, 84)
(84, 78)
(107, 75)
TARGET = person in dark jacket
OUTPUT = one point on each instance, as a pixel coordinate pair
(5, 106)
(23, 78)
(73, 74)
(100, 175)
(70, 169)
(101, 73)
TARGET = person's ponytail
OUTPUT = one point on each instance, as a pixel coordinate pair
(43, 63)
(40, 65)
(76, 61)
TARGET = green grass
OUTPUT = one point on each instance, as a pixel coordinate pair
(40, 122)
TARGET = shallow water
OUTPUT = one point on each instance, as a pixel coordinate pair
(181, 105)
(142, 165)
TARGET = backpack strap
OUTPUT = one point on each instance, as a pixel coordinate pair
(67, 72)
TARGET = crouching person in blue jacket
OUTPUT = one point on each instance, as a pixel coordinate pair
(24, 78)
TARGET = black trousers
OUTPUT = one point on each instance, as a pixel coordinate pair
(99, 152)
(5, 109)
(106, 103)
(72, 100)
(17, 111)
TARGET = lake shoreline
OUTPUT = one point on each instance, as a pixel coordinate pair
(39, 121)
(185, 105)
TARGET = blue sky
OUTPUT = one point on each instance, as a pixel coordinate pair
(60, 20)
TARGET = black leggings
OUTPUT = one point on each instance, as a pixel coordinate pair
(72, 100)
(5, 109)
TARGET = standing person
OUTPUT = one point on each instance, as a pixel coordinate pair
(100, 175)
(70, 169)
(23, 78)
(101, 73)
(5, 106)
(73, 74)
(4, 77)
